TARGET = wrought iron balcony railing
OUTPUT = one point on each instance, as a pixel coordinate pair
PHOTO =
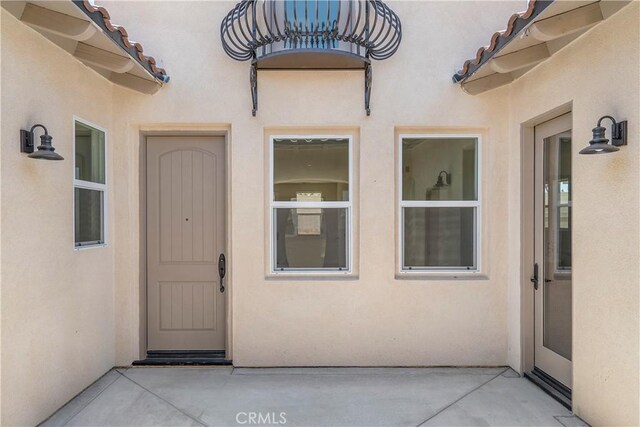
(310, 34)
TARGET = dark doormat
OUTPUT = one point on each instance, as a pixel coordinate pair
(181, 357)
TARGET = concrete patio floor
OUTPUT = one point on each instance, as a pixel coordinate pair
(226, 396)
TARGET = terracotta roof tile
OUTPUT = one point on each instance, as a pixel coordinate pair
(516, 23)
(119, 34)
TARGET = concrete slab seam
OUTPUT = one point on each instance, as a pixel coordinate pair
(576, 421)
(73, 399)
(372, 370)
(165, 401)
(462, 397)
(510, 373)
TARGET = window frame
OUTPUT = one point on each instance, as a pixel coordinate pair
(273, 205)
(88, 185)
(560, 271)
(437, 272)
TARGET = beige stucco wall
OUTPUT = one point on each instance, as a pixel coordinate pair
(1, 139)
(57, 303)
(68, 316)
(1, 62)
(598, 74)
(371, 319)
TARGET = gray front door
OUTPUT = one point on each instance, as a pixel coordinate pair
(185, 235)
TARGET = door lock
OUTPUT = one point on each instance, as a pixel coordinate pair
(222, 269)
(534, 278)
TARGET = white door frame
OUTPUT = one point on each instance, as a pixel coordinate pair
(526, 189)
(547, 360)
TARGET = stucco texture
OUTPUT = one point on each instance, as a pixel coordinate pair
(371, 319)
(598, 75)
(68, 316)
(57, 303)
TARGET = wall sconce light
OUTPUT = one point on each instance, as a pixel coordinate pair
(444, 179)
(600, 145)
(45, 149)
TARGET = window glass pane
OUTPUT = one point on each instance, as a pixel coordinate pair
(557, 165)
(311, 169)
(89, 154)
(301, 14)
(439, 237)
(299, 10)
(564, 170)
(88, 216)
(564, 238)
(439, 169)
(310, 238)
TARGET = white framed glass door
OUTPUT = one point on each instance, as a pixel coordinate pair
(552, 252)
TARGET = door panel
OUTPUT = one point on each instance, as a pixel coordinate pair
(553, 313)
(185, 235)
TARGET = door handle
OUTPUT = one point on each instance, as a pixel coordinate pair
(222, 270)
(534, 278)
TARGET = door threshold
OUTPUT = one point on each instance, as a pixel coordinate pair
(551, 386)
(184, 358)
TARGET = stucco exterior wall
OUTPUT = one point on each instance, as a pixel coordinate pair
(370, 319)
(1, 139)
(598, 74)
(68, 316)
(57, 303)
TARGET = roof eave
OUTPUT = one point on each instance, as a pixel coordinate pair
(100, 16)
(516, 24)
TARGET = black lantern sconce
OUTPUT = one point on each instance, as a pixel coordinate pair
(600, 145)
(45, 149)
(444, 179)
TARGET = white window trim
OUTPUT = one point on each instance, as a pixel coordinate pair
(312, 272)
(88, 185)
(438, 272)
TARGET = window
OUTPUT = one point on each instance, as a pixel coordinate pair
(563, 254)
(312, 21)
(89, 185)
(557, 195)
(440, 203)
(311, 204)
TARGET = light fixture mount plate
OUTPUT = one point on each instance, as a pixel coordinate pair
(26, 141)
(619, 134)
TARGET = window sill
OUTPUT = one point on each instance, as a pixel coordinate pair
(82, 248)
(441, 275)
(312, 276)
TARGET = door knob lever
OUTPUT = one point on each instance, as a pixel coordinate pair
(222, 270)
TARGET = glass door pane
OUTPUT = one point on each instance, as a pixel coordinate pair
(557, 244)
